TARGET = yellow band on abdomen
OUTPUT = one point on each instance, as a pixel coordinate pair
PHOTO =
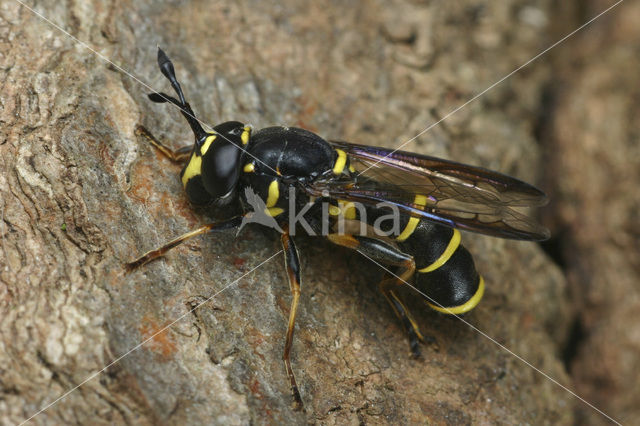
(420, 201)
(408, 230)
(454, 242)
(465, 307)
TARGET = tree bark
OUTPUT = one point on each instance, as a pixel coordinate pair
(593, 169)
(81, 196)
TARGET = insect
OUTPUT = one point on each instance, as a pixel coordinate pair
(275, 171)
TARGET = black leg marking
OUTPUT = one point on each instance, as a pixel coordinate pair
(403, 313)
(293, 272)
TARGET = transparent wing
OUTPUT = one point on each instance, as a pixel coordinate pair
(458, 195)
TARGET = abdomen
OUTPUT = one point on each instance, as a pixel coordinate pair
(445, 272)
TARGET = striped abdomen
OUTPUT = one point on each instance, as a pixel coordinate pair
(445, 271)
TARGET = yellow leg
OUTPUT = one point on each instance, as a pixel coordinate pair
(293, 272)
(154, 254)
(387, 254)
(177, 156)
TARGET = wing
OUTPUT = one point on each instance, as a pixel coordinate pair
(458, 195)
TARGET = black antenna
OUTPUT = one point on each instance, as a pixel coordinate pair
(166, 66)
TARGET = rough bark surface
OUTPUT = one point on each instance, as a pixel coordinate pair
(594, 164)
(80, 196)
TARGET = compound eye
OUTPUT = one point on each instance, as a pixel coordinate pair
(220, 168)
(237, 131)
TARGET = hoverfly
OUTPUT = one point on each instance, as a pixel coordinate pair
(433, 198)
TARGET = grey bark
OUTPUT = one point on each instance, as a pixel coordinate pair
(80, 196)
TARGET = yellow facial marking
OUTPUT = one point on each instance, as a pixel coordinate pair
(454, 242)
(274, 193)
(334, 210)
(194, 167)
(340, 162)
(207, 143)
(420, 201)
(246, 134)
(249, 168)
(465, 307)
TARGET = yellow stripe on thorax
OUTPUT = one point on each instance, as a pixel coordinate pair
(465, 307)
(246, 134)
(273, 211)
(272, 199)
(421, 201)
(338, 167)
(454, 242)
(274, 193)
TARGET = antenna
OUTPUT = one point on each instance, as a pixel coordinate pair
(166, 67)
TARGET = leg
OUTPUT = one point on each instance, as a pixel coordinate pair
(389, 255)
(178, 156)
(403, 313)
(293, 271)
(154, 254)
